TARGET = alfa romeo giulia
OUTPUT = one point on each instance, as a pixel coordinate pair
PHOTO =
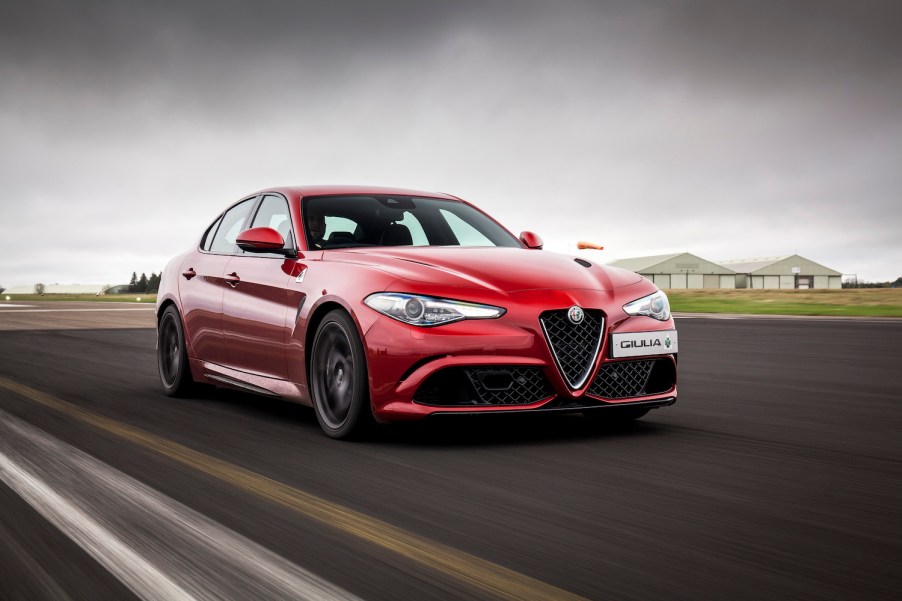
(381, 305)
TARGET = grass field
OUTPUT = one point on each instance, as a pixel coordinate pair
(106, 298)
(871, 302)
(862, 302)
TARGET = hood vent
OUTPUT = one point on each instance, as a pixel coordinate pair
(583, 262)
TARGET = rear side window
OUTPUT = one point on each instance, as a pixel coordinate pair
(230, 226)
(208, 235)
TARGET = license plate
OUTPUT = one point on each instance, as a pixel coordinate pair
(637, 344)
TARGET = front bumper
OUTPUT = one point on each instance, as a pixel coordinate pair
(505, 365)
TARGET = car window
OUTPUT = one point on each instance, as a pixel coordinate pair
(466, 234)
(230, 227)
(207, 240)
(413, 225)
(377, 220)
(338, 227)
(273, 212)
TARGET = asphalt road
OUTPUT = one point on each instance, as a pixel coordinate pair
(777, 475)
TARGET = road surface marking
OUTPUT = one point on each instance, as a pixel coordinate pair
(159, 548)
(488, 578)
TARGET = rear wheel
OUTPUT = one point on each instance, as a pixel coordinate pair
(172, 354)
(338, 378)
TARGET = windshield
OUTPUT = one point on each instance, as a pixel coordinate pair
(354, 221)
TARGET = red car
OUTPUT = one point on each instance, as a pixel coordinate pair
(382, 305)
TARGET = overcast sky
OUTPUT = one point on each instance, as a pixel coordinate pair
(727, 129)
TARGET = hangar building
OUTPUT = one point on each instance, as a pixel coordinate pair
(786, 272)
(681, 270)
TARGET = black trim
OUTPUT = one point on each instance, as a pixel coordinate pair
(666, 402)
(239, 384)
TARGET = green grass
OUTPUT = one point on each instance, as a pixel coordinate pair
(880, 302)
(106, 298)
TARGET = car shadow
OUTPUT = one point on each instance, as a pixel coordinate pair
(512, 429)
(444, 430)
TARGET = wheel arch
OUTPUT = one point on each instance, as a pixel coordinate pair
(170, 302)
(164, 305)
(317, 314)
(316, 317)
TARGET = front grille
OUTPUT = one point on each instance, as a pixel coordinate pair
(574, 346)
(625, 379)
(495, 385)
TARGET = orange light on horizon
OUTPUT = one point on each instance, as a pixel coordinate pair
(582, 244)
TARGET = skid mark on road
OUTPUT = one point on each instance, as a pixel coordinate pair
(488, 578)
(157, 547)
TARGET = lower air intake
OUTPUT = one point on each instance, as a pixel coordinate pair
(625, 379)
(495, 385)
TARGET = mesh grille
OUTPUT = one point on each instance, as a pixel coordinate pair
(528, 385)
(621, 380)
(500, 385)
(574, 346)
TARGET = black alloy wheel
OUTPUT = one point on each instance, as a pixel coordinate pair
(338, 378)
(172, 355)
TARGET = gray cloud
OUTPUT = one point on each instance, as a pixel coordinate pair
(730, 129)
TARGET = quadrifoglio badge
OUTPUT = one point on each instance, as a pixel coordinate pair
(638, 344)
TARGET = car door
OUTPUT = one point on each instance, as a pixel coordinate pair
(258, 306)
(202, 284)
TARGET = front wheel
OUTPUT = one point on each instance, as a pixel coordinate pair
(338, 378)
(172, 354)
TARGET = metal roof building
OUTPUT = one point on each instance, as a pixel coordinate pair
(680, 270)
(784, 272)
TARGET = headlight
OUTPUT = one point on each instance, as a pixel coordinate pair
(654, 305)
(419, 310)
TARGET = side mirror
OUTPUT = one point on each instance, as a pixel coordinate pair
(261, 240)
(531, 240)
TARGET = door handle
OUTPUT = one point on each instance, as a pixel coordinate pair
(232, 279)
(190, 273)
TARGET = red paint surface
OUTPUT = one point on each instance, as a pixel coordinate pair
(251, 328)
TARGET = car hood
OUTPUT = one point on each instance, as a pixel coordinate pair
(499, 269)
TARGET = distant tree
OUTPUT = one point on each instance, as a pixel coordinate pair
(142, 283)
(133, 283)
(2, 289)
(153, 283)
(39, 289)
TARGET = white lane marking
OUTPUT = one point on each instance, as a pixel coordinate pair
(138, 575)
(76, 310)
(7, 306)
(156, 546)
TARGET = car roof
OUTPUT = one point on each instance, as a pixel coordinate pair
(355, 190)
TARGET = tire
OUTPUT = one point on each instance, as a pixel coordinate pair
(615, 417)
(172, 354)
(338, 378)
